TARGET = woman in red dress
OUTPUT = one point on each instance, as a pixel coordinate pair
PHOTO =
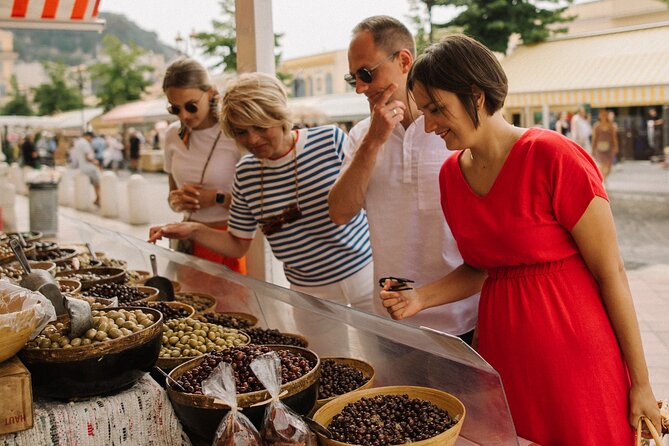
(528, 210)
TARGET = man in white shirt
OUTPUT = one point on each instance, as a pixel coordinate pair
(391, 170)
(581, 129)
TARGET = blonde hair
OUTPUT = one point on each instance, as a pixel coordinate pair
(255, 100)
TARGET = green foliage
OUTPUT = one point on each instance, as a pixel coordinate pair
(122, 79)
(221, 43)
(493, 21)
(18, 104)
(56, 95)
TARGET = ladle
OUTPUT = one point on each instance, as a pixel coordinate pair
(81, 318)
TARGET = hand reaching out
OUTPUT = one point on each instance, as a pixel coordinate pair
(179, 231)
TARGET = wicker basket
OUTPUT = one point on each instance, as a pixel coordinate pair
(364, 367)
(439, 398)
(204, 308)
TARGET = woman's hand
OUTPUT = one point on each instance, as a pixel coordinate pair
(179, 231)
(186, 198)
(643, 403)
(400, 304)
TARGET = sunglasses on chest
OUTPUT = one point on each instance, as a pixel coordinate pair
(190, 106)
(366, 74)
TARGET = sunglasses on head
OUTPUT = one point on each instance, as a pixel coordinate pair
(190, 106)
(272, 225)
(366, 74)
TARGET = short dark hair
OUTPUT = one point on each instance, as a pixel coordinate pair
(457, 64)
(89, 133)
(388, 33)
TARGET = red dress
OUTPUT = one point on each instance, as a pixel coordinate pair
(542, 323)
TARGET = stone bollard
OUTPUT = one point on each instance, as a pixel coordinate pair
(82, 192)
(66, 187)
(7, 205)
(108, 194)
(138, 205)
(16, 177)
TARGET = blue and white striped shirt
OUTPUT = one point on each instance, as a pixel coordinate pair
(314, 250)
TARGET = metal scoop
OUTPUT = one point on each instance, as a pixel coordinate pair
(163, 284)
(91, 252)
(38, 280)
(43, 282)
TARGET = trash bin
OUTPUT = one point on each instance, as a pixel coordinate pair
(43, 198)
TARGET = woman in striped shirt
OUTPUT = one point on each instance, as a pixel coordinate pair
(282, 186)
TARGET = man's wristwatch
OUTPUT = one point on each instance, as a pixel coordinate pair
(220, 198)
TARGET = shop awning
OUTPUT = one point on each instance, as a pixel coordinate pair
(330, 108)
(138, 112)
(78, 15)
(628, 67)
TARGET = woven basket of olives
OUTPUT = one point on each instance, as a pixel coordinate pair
(240, 321)
(272, 336)
(172, 310)
(56, 255)
(340, 376)
(90, 277)
(70, 286)
(136, 277)
(429, 417)
(201, 414)
(7, 255)
(14, 272)
(186, 338)
(123, 345)
(202, 302)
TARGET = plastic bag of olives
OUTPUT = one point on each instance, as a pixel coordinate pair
(235, 429)
(280, 426)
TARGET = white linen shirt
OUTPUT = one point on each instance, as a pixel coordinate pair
(408, 231)
(186, 164)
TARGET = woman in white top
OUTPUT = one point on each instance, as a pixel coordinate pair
(199, 158)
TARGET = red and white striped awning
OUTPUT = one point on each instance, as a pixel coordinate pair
(51, 14)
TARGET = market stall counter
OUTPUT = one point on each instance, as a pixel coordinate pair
(401, 355)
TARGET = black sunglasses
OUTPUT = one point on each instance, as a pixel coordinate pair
(190, 106)
(290, 214)
(366, 74)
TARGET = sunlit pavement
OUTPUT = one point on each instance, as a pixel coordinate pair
(639, 194)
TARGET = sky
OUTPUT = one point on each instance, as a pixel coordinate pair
(309, 26)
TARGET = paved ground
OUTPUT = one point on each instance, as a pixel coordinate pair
(639, 193)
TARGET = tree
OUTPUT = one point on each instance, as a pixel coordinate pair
(221, 43)
(493, 21)
(56, 95)
(18, 104)
(122, 79)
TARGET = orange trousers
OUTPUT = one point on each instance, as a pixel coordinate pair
(237, 265)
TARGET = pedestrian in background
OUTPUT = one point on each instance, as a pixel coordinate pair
(562, 125)
(604, 142)
(84, 160)
(528, 208)
(29, 152)
(391, 169)
(199, 158)
(581, 129)
(281, 188)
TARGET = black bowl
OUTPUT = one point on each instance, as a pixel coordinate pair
(200, 415)
(95, 369)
